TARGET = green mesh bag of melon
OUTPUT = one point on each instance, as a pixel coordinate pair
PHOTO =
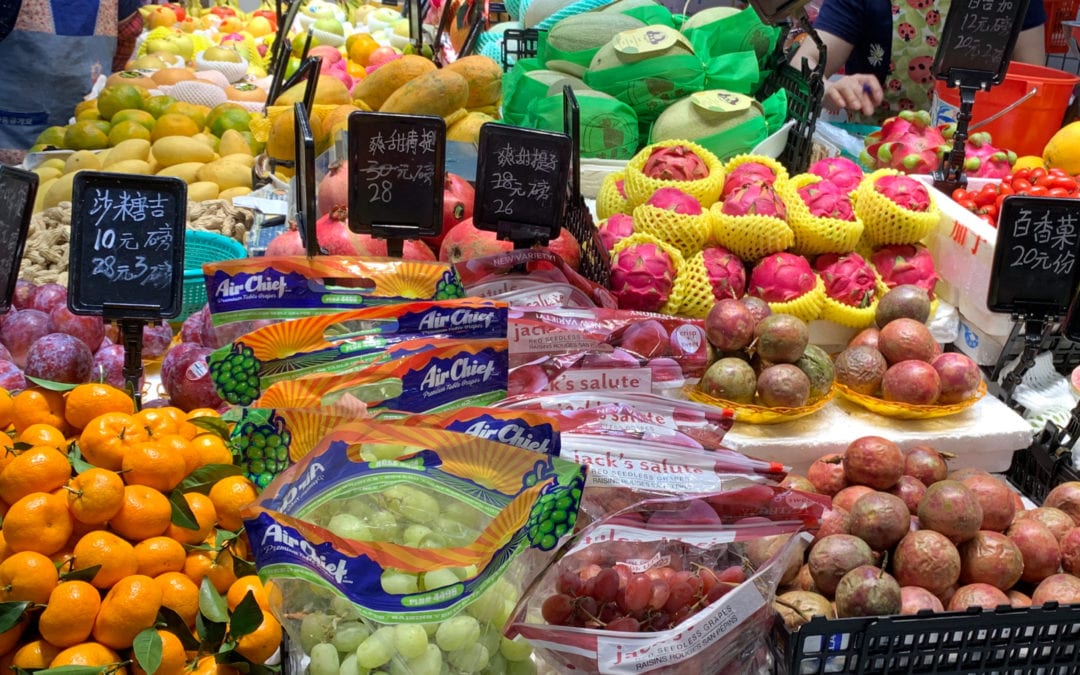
(647, 68)
(676, 163)
(734, 44)
(525, 83)
(722, 122)
(648, 11)
(572, 43)
(609, 127)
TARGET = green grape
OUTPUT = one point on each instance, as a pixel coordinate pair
(349, 526)
(455, 531)
(464, 573)
(414, 534)
(315, 628)
(383, 526)
(416, 505)
(461, 513)
(496, 665)
(526, 667)
(399, 583)
(469, 659)
(457, 632)
(489, 637)
(383, 450)
(349, 666)
(349, 635)
(324, 660)
(377, 650)
(517, 649)
(438, 579)
(431, 628)
(486, 607)
(432, 541)
(430, 662)
(503, 617)
(344, 609)
(411, 640)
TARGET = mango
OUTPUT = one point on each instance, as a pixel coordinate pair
(135, 166)
(82, 159)
(202, 190)
(44, 173)
(179, 149)
(185, 171)
(60, 191)
(239, 158)
(54, 162)
(132, 148)
(43, 190)
(232, 142)
(234, 192)
(226, 174)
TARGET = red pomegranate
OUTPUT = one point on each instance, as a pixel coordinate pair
(458, 198)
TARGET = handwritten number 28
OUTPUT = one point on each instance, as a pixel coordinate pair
(380, 192)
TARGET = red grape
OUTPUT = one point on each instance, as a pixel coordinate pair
(569, 583)
(708, 578)
(624, 573)
(557, 609)
(682, 594)
(589, 571)
(660, 592)
(607, 585)
(637, 593)
(587, 608)
(716, 592)
(733, 574)
(627, 624)
(688, 578)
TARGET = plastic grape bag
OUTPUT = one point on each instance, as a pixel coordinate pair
(667, 586)
(398, 548)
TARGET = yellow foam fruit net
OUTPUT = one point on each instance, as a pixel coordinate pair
(886, 222)
(815, 235)
(677, 262)
(640, 187)
(751, 237)
(686, 232)
(806, 307)
(846, 315)
(778, 168)
(693, 293)
(883, 288)
(608, 199)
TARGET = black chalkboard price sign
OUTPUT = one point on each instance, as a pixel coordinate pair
(18, 189)
(396, 166)
(127, 245)
(1036, 265)
(979, 36)
(521, 183)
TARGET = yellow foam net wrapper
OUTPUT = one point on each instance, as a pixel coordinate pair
(883, 288)
(815, 235)
(683, 231)
(887, 223)
(807, 306)
(846, 315)
(778, 168)
(751, 237)
(692, 293)
(640, 187)
(677, 261)
(608, 199)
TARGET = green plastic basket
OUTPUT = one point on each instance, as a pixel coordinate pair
(203, 247)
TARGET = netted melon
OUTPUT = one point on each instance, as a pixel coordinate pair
(707, 16)
(686, 119)
(610, 57)
(580, 36)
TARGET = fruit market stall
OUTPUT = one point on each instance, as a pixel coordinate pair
(653, 385)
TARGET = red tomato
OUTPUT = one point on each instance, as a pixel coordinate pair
(985, 196)
(1021, 186)
(1057, 192)
(990, 210)
(1023, 174)
(1038, 191)
(1037, 175)
(1067, 183)
(1057, 172)
(968, 204)
(960, 194)
(989, 219)
(1006, 189)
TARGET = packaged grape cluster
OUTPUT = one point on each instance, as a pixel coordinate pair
(672, 585)
(403, 550)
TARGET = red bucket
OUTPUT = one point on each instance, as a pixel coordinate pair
(1026, 128)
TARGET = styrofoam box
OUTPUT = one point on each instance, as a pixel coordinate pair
(963, 250)
(978, 344)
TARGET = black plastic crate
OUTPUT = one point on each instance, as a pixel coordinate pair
(1038, 469)
(1066, 353)
(519, 43)
(805, 91)
(1005, 641)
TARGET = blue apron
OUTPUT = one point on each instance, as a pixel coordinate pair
(48, 73)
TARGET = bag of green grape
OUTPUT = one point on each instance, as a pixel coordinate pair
(404, 550)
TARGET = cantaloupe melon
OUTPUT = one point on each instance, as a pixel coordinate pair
(581, 36)
(707, 16)
(610, 57)
(684, 119)
(538, 10)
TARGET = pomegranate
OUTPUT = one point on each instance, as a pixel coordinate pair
(978, 595)
(995, 498)
(335, 238)
(873, 461)
(334, 190)
(1069, 551)
(928, 559)
(458, 199)
(926, 464)
(465, 242)
(990, 558)
(952, 509)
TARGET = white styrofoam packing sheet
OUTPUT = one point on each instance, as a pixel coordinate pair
(983, 436)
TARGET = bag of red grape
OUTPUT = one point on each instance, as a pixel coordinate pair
(680, 585)
(404, 549)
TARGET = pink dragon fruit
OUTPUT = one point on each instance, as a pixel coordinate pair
(848, 278)
(755, 199)
(675, 162)
(781, 277)
(902, 264)
(727, 274)
(983, 160)
(840, 171)
(749, 173)
(618, 226)
(674, 199)
(905, 192)
(826, 199)
(642, 276)
(907, 142)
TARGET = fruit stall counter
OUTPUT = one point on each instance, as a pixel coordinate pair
(984, 436)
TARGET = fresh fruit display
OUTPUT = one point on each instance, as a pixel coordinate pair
(909, 143)
(1034, 182)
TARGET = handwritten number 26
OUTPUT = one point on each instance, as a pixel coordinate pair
(380, 192)
(504, 207)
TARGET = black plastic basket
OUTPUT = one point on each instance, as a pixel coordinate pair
(1038, 469)
(1006, 641)
(519, 43)
(1066, 353)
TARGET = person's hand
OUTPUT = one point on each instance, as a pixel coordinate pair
(859, 93)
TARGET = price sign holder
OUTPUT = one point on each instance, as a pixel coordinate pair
(396, 175)
(521, 176)
(304, 182)
(18, 189)
(309, 69)
(416, 10)
(1035, 271)
(127, 255)
(279, 52)
(973, 55)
